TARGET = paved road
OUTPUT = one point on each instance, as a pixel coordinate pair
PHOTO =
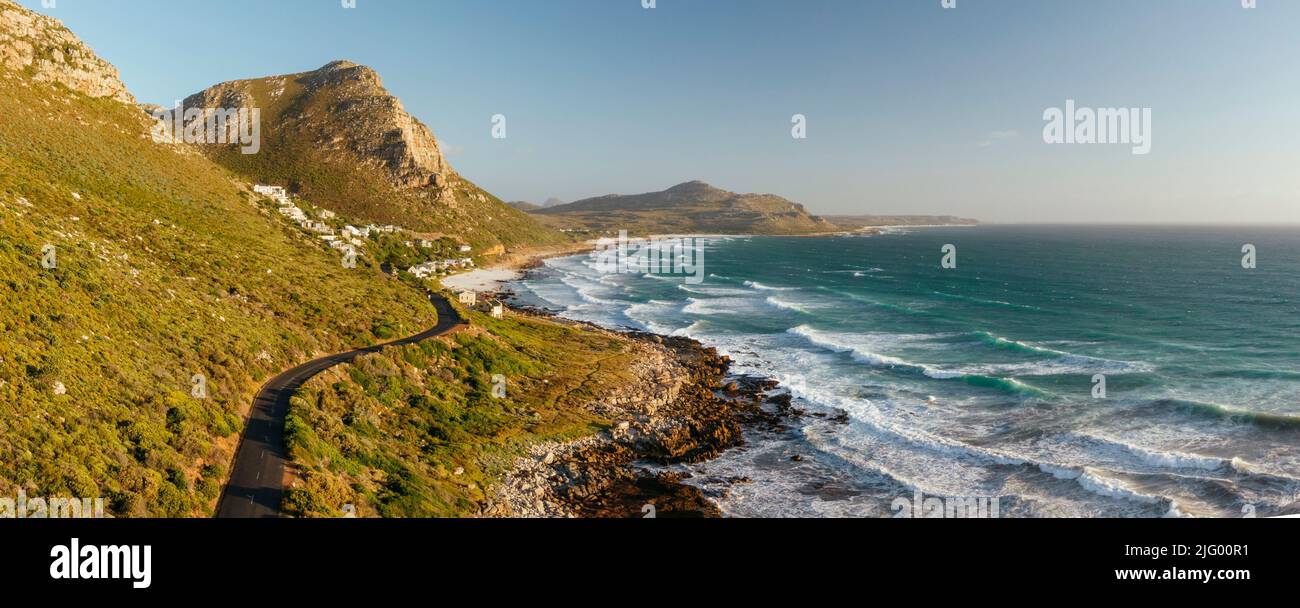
(256, 483)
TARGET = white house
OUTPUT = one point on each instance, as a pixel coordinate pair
(277, 192)
(424, 270)
(293, 213)
(498, 310)
(466, 249)
(326, 214)
(467, 298)
(320, 227)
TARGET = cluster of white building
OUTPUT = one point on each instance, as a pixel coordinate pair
(427, 269)
(353, 236)
(286, 207)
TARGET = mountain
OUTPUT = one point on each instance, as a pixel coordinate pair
(128, 269)
(338, 139)
(528, 207)
(692, 207)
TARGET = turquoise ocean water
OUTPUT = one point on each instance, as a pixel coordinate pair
(979, 381)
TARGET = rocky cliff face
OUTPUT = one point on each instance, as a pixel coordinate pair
(47, 51)
(338, 139)
(345, 112)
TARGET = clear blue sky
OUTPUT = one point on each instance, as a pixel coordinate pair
(911, 108)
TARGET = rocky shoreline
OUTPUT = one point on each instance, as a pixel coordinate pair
(683, 409)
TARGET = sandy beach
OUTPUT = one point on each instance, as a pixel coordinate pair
(481, 280)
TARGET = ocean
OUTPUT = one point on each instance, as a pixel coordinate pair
(984, 380)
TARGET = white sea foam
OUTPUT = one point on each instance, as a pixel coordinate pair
(717, 306)
(713, 291)
(1103, 486)
(694, 330)
(784, 305)
(762, 287)
(1156, 458)
(1065, 362)
(653, 316)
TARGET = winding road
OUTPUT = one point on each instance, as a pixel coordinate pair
(256, 481)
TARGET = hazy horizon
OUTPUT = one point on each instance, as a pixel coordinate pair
(910, 108)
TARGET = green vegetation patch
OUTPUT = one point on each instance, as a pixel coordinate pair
(417, 431)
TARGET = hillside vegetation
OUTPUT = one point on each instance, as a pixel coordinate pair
(417, 432)
(165, 268)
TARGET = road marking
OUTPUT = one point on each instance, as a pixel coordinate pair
(259, 476)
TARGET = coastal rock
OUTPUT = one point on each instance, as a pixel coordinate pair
(671, 416)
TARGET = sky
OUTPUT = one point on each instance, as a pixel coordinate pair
(910, 107)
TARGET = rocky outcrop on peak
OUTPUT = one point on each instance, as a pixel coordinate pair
(345, 111)
(335, 137)
(43, 48)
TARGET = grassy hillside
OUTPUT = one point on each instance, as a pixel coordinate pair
(166, 268)
(416, 432)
